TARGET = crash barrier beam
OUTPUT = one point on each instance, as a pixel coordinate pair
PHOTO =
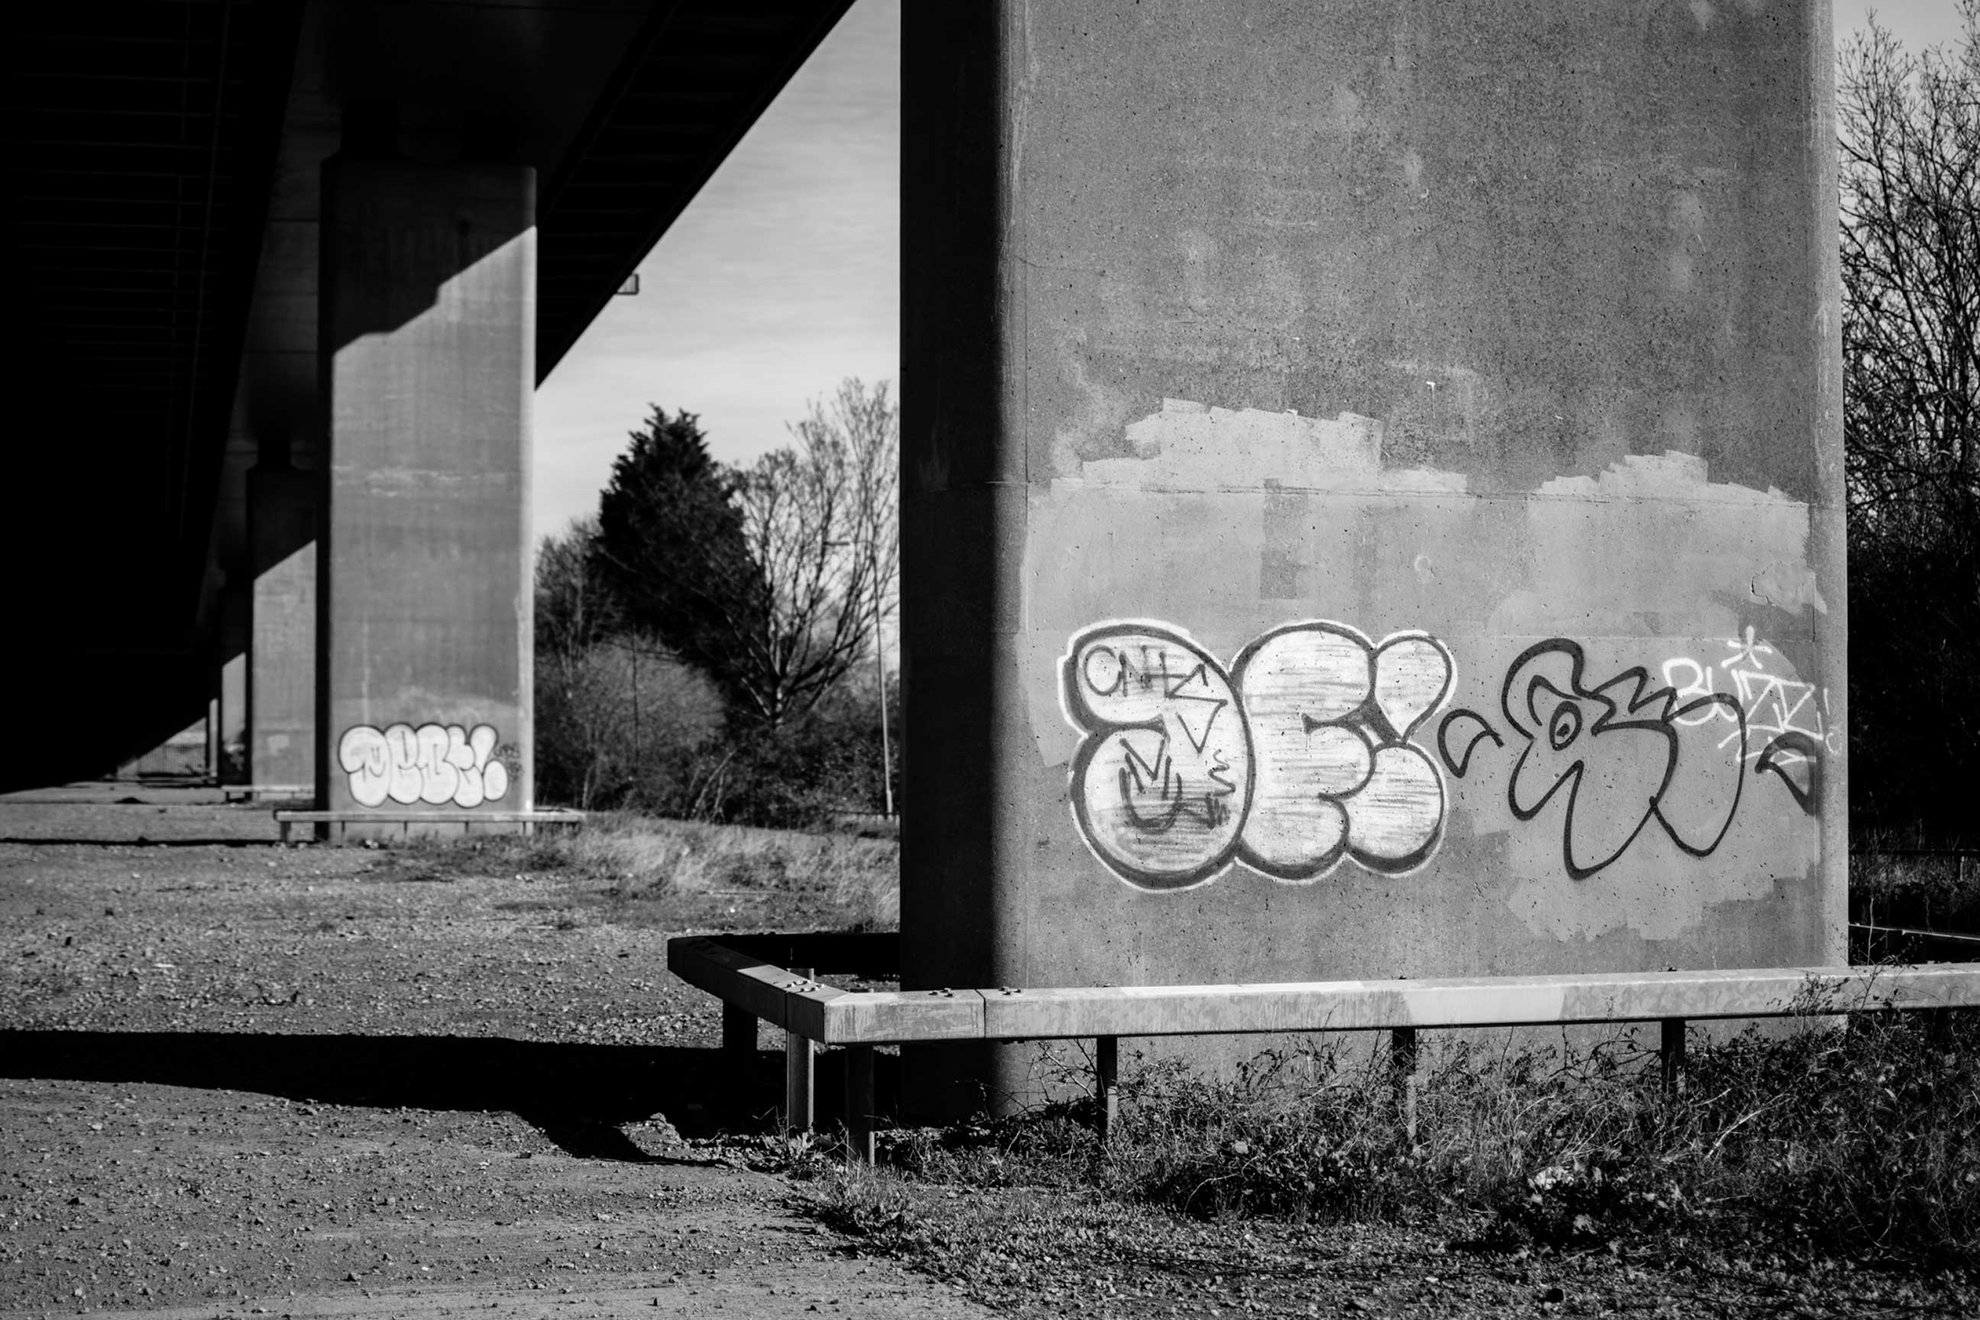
(815, 1013)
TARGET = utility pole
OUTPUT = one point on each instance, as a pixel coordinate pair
(880, 659)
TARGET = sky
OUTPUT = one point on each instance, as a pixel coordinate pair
(779, 280)
(1915, 23)
(783, 276)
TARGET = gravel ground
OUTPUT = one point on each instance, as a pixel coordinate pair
(241, 1079)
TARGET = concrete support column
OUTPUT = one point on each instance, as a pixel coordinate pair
(233, 715)
(281, 736)
(428, 321)
(1371, 496)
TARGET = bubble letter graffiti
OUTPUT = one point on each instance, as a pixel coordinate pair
(1330, 714)
(1160, 782)
(1297, 759)
(434, 764)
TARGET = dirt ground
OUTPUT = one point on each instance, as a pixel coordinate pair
(241, 1079)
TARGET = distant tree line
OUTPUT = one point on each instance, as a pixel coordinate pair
(711, 644)
(1910, 173)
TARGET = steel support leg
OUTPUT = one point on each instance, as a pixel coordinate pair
(859, 1103)
(1106, 1083)
(1402, 1067)
(1670, 1052)
(799, 1054)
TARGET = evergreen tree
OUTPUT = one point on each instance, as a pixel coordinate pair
(671, 549)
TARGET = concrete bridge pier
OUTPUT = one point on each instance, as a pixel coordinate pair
(1372, 496)
(428, 291)
(281, 530)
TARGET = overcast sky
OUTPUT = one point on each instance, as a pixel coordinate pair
(784, 274)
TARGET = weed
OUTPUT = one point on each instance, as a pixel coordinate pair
(870, 1203)
(1858, 1141)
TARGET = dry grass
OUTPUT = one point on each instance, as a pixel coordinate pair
(639, 870)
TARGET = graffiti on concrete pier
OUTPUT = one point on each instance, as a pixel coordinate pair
(1162, 780)
(1788, 728)
(1294, 759)
(434, 764)
(1619, 754)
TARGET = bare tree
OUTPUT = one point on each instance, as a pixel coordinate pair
(1911, 279)
(574, 609)
(1910, 176)
(820, 522)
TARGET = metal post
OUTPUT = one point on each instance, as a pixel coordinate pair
(1106, 1083)
(738, 1041)
(1402, 1067)
(798, 1058)
(880, 658)
(1670, 1052)
(859, 1103)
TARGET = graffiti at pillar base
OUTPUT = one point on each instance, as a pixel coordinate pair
(1618, 753)
(1294, 759)
(434, 764)
(1789, 729)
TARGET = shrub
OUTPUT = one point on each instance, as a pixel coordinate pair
(622, 723)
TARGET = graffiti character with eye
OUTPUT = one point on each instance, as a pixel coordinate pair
(1617, 755)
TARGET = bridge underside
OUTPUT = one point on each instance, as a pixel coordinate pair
(164, 218)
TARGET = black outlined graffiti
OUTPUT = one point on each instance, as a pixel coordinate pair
(1619, 753)
(1297, 758)
(1463, 730)
(1161, 781)
(1797, 759)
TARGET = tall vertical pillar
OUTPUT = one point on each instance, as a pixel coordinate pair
(281, 737)
(428, 321)
(1372, 496)
(234, 714)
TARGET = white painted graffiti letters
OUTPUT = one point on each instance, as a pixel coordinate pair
(1330, 715)
(434, 764)
(1298, 758)
(1161, 781)
(1788, 728)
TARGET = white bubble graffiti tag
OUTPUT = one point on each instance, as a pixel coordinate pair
(435, 764)
(1296, 758)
